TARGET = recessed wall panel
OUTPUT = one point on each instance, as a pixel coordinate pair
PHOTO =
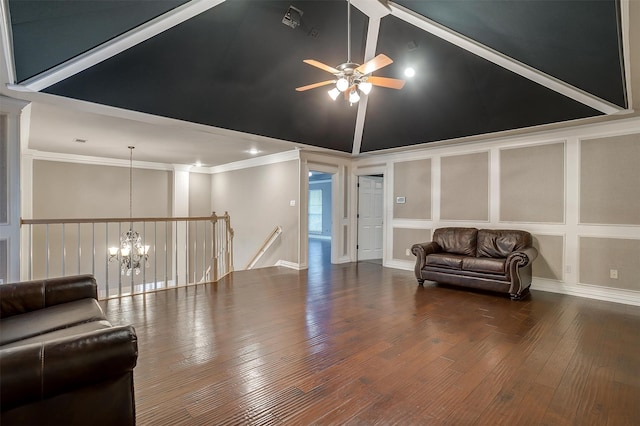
(465, 187)
(603, 258)
(532, 184)
(412, 180)
(404, 238)
(610, 180)
(549, 263)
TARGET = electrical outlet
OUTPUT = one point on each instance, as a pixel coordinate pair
(567, 269)
(1, 281)
(613, 274)
(408, 252)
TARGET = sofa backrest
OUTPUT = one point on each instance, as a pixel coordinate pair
(457, 240)
(500, 243)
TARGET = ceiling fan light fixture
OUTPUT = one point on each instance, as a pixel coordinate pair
(365, 87)
(342, 84)
(334, 93)
(353, 96)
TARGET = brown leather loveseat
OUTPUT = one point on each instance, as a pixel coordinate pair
(489, 259)
(61, 361)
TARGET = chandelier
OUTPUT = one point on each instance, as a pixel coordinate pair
(132, 254)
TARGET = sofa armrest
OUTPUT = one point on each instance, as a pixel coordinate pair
(522, 258)
(40, 370)
(27, 296)
(421, 251)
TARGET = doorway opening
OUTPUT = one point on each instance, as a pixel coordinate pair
(319, 219)
(370, 218)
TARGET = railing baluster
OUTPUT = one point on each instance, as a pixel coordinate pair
(48, 251)
(106, 246)
(155, 255)
(120, 271)
(79, 249)
(204, 252)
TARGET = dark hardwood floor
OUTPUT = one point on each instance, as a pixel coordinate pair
(360, 344)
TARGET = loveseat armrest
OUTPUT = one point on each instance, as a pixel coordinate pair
(21, 297)
(522, 258)
(421, 251)
(37, 371)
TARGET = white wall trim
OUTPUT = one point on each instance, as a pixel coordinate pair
(291, 265)
(117, 45)
(258, 161)
(96, 161)
(504, 61)
(627, 297)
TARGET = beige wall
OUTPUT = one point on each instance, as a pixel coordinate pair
(74, 191)
(549, 263)
(610, 180)
(465, 187)
(598, 256)
(258, 199)
(412, 180)
(532, 184)
(200, 195)
(404, 238)
(70, 190)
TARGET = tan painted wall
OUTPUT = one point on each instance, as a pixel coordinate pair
(532, 184)
(465, 187)
(258, 199)
(404, 238)
(412, 180)
(599, 255)
(610, 180)
(550, 256)
(68, 190)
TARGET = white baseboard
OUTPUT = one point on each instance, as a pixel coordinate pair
(290, 265)
(627, 297)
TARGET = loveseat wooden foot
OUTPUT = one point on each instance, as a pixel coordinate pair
(521, 295)
(420, 281)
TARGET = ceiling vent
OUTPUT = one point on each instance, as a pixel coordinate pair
(293, 17)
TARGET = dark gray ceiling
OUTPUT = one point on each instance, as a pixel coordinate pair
(236, 65)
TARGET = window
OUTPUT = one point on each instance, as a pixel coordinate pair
(315, 211)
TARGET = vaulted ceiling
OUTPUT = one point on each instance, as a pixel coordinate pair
(482, 66)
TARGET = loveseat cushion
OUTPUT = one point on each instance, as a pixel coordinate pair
(501, 243)
(457, 240)
(484, 264)
(445, 260)
(57, 317)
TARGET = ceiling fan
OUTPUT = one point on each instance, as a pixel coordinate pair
(351, 78)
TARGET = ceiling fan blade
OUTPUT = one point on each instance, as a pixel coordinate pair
(391, 83)
(376, 63)
(314, 85)
(322, 66)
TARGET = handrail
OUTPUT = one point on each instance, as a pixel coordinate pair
(265, 246)
(115, 220)
(179, 251)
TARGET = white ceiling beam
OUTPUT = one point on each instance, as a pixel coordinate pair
(369, 53)
(503, 61)
(115, 46)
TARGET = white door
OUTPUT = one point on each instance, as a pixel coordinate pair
(370, 209)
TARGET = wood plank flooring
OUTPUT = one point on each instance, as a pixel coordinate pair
(359, 344)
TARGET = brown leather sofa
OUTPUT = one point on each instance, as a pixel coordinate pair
(61, 361)
(488, 259)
